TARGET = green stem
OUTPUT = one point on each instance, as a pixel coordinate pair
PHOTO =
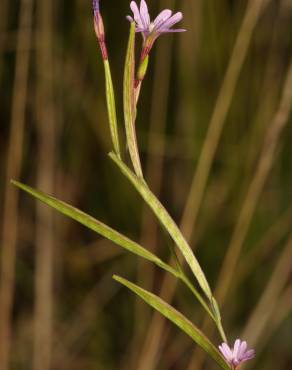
(168, 223)
(188, 283)
(130, 103)
(111, 108)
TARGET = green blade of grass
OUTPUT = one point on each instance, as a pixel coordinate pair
(177, 318)
(168, 223)
(111, 234)
(111, 108)
(97, 226)
(130, 103)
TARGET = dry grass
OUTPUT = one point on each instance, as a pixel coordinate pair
(13, 170)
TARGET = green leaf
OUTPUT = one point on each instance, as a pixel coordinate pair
(112, 235)
(111, 107)
(177, 318)
(96, 226)
(130, 103)
(168, 223)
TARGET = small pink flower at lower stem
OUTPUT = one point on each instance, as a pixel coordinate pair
(238, 354)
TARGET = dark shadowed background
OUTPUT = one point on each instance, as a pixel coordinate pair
(214, 117)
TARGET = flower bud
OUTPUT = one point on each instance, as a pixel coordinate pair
(99, 28)
(143, 68)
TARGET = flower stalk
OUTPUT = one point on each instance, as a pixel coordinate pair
(151, 30)
(130, 103)
(110, 94)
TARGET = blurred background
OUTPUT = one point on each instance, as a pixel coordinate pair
(214, 130)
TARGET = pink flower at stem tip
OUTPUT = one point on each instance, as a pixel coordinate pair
(163, 23)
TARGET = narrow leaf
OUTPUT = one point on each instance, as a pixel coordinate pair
(111, 108)
(168, 223)
(97, 226)
(130, 103)
(112, 235)
(177, 318)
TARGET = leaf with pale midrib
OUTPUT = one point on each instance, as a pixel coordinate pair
(97, 226)
(177, 318)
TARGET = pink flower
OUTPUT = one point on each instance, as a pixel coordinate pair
(238, 354)
(162, 23)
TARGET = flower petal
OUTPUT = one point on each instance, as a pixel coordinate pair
(144, 14)
(136, 13)
(226, 351)
(236, 348)
(177, 17)
(174, 30)
(248, 355)
(162, 17)
(242, 350)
